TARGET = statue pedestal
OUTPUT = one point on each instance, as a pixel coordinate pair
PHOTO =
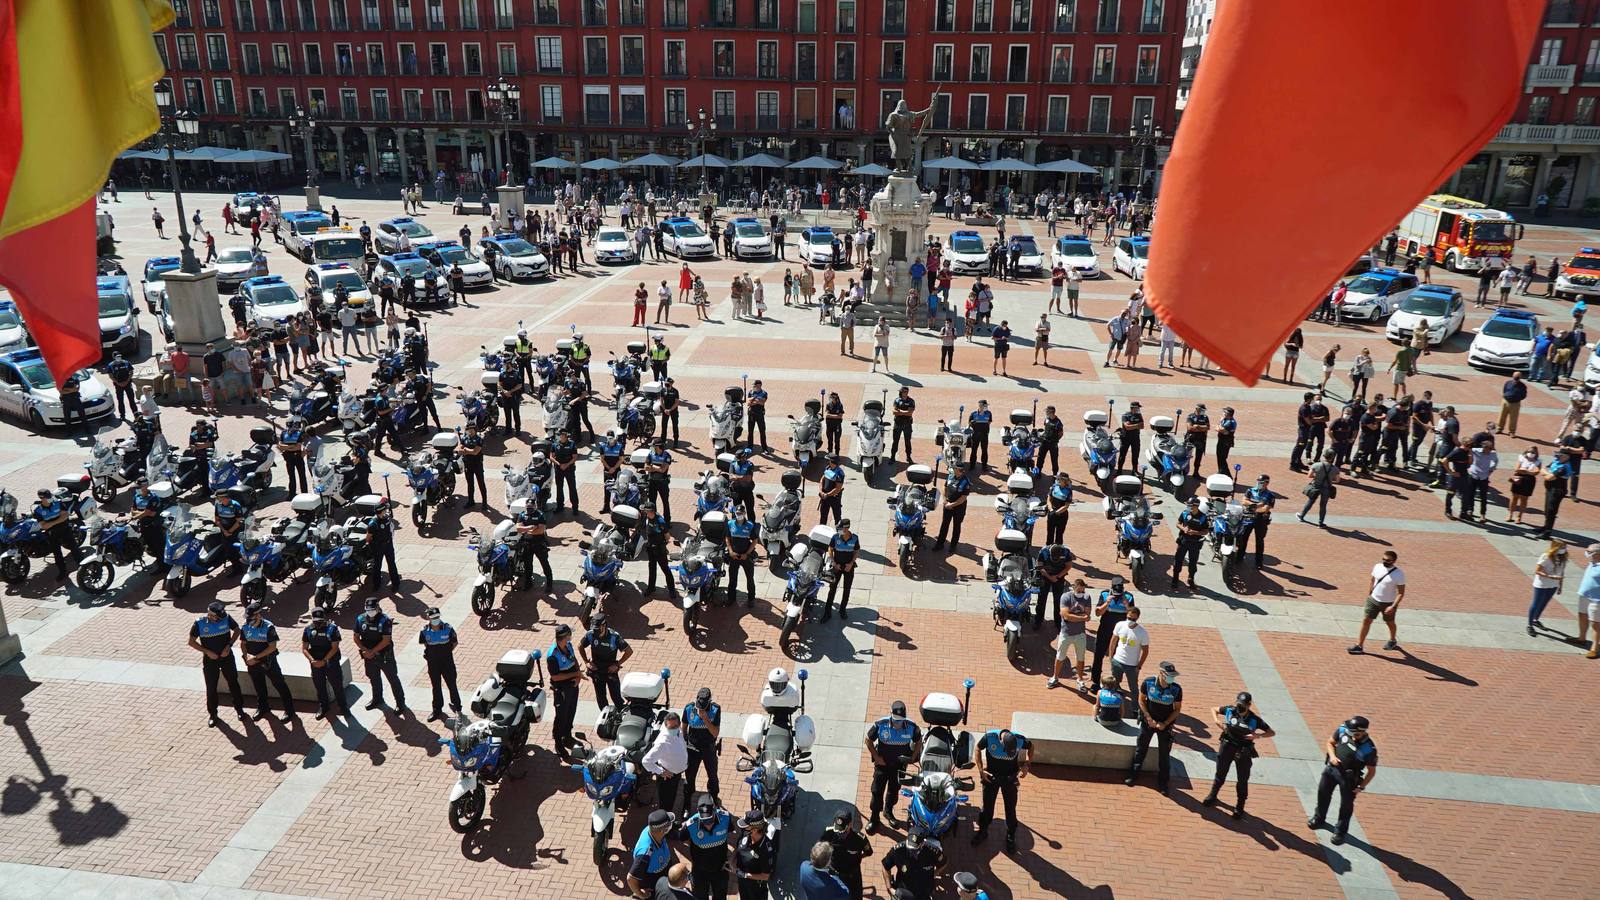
(901, 212)
(196, 311)
(511, 203)
(10, 644)
(313, 198)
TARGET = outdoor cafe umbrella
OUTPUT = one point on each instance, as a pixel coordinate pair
(709, 160)
(1067, 167)
(253, 156)
(555, 162)
(603, 164)
(950, 162)
(653, 161)
(816, 162)
(870, 169)
(1008, 165)
(762, 161)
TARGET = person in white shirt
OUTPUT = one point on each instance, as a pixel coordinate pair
(1041, 339)
(1130, 645)
(1384, 597)
(668, 759)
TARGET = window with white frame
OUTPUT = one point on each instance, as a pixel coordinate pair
(1055, 118)
(550, 103)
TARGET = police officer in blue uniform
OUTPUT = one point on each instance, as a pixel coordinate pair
(1111, 608)
(956, 488)
(708, 832)
(1351, 764)
(979, 421)
(658, 467)
(756, 402)
(145, 428)
(656, 533)
(669, 411)
(439, 640)
(842, 551)
(422, 389)
(702, 728)
(259, 638)
(904, 409)
(652, 855)
(604, 653)
(611, 448)
(1053, 565)
(375, 634)
(1003, 759)
(510, 399)
(1057, 506)
(755, 858)
(894, 740)
(565, 671)
(578, 394)
(564, 456)
(213, 635)
(120, 371)
(1227, 431)
(1197, 430)
(146, 517)
(228, 515)
(1160, 703)
(291, 446)
(380, 539)
(1130, 431)
(52, 516)
(830, 491)
(1193, 526)
(1259, 501)
(743, 541)
(1241, 728)
(382, 420)
(319, 643)
(742, 480)
(471, 452)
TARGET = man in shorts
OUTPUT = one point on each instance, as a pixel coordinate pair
(1119, 333)
(1384, 597)
(1073, 638)
(1589, 601)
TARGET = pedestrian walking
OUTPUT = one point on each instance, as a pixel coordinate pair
(880, 344)
(1549, 576)
(1322, 485)
(1384, 596)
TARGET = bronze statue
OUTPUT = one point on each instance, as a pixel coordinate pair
(902, 133)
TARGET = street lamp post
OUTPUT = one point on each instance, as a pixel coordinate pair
(177, 125)
(506, 98)
(702, 129)
(304, 123)
(1145, 136)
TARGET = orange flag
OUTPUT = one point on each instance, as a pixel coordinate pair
(1307, 137)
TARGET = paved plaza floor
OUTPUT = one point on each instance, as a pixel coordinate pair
(115, 787)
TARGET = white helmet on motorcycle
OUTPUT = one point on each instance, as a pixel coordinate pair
(777, 681)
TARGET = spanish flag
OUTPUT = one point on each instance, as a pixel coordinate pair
(76, 81)
(1310, 132)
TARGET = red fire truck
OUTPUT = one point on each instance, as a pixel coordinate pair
(1465, 235)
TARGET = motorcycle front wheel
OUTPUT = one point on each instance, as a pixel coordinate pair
(482, 599)
(602, 841)
(1230, 567)
(1135, 569)
(254, 591)
(14, 570)
(586, 611)
(103, 491)
(179, 586)
(905, 556)
(466, 810)
(1011, 642)
(789, 625)
(325, 597)
(419, 515)
(95, 577)
(688, 618)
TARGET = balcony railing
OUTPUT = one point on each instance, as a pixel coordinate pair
(1524, 133)
(1105, 25)
(895, 74)
(1551, 76)
(277, 22)
(252, 67)
(219, 65)
(1150, 26)
(245, 23)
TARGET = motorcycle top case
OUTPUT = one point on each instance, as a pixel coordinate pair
(1020, 482)
(165, 491)
(366, 504)
(873, 406)
(1093, 417)
(538, 445)
(639, 457)
(489, 379)
(733, 394)
(1127, 486)
(1219, 485)
(941, 709)
(791, 481)
(263, 434)
(642, 686)
(516, 666)
(1010, 540)
(725, 462)
(919, 474)
(624, 516)
(636, 348)
(821, 536)
(1023, 417)
(651, 389)
(444, 440)
(714, 526)
(306, 503)
(1162, 424)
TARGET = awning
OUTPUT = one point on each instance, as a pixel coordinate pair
(870, 169)
(816, 162)
(762, 161)
(1068, 166)
(950, 162)
(653, 161)
(253, 156)
(555, 162)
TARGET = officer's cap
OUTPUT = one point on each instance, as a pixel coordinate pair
(659, 818)
(844, 523)
(1194, 501)
(1117, 581)
(1356, 723)
(319, 614)
(703, 696)
(433, 611)
(898, 708)
(752, 818)
(966, 881)
(563, 630)
(1263, 479)
(44, 493)
(143, 482)
(704, 803)
(1133, 405)
(252, 608)
(598, 621)
(1243, 699)
(216, 607)
(372, 603)
(1168, 669)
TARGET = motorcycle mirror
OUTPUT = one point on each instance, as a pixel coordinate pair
(905, 793)
(744, 765)
(961, 798)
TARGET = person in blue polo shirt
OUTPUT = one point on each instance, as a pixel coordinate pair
(893, 741)
(259, 640)
(375, 635)
(980, 420)
(1351, 763)
(438, 640)
(1160, 703)
(830, 491)
(708, 832)
(842, 551)
(1112, 608)
(213, 635)
(1241, 728)
(320, 645)
(565, 672)
(1003, 759)
(742, 543)
(652, 855)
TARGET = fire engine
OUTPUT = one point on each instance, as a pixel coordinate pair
(1465, 235)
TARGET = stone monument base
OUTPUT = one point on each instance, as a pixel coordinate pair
(313, 198)
(511, 203)
(196, 311)
(901, 212)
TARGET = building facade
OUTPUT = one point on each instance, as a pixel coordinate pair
(1197, 19)
(402, 85)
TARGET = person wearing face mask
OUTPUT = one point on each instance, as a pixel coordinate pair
(1241, 728)
(1112, 608)
(842, 551)
(1003, 758)
(743, 540)
(893, 741)
(1160, 703)
(967, 887)
(1549, 575)
(438, 640)
(850, 847)
(259, 639)
(1384, 596)
(562, 661)
(1351, 763)
(702, 727)
(652, 855)
(213, 635)
(708, 832)
(914, 864)
(1523, 479)
(667, 759)
(755, 858)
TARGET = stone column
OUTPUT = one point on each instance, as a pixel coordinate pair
(405, 165)
(196, 311)
(1541, 176)
(372, 151)
(1116, 170)
(338, 146)
(1030, 153)
(430, 139)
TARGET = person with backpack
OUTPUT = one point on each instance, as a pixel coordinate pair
(1321, 486)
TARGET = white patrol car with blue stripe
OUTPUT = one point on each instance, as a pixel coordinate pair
(396, 267)
(967, 254)
(447, 254)
(750, 238)
(816, 246)
(386, 237)
(119, 317)
(684, 238)
(28, 390)
(152, 284)
(514, 257)
(269, 300)
(13, 331)
(246, 206)
(299, 228)
(324, 277)
(1074, 251)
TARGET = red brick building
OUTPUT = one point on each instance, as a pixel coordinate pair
(399, 84)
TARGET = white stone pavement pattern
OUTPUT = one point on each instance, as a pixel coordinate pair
(841, 672)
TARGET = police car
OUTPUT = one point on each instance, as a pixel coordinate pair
(816, 246)
(1073, 251)
(1377, 294)
(683, 237)
(396, 267)
(447, 254)
(1505, 341)
(387, 235)
(750, 239)
(614, 245)
(13, 333)
(119, 318)
(1442, 306)
(324, 277)
(1029, 259)
(246, 206)
(967, 254)
(299, 228)
(1131, 255)
(270, 300)
(1581, 275)
(235, 264)
(152, 284)
(515, 257)
(28, 390)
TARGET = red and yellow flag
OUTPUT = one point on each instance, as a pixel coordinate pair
(75, 90)
(1308, 135)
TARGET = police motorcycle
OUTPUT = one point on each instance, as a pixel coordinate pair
(431, 474)
(1168, 456)
(933, 788)
(271, 556)
(194, 547)
(911, 504)
(108, 543)
(339, 552)
(484, 746)
(1019, 509)
(333, 484)
(806, 433)
(625, 370)
(953, 436)
(627, 492)
(869, 438)
(610, 774)
(1231, 523)
(1133, 522)
(699, 566)
(478, 407)
(113, 466)
(191, 468)
(727, 420)
(636, 413)
(351, 412)
(250, 470)
(782, 738)
(712, 491)
(603, 555)
(1097, 447)
(809, 568)
(23, 537)
(497, 562)
(1011, 575)
(1021, 440)
(557, 412)
(533, 480)
(317, 404)
(780, 518)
